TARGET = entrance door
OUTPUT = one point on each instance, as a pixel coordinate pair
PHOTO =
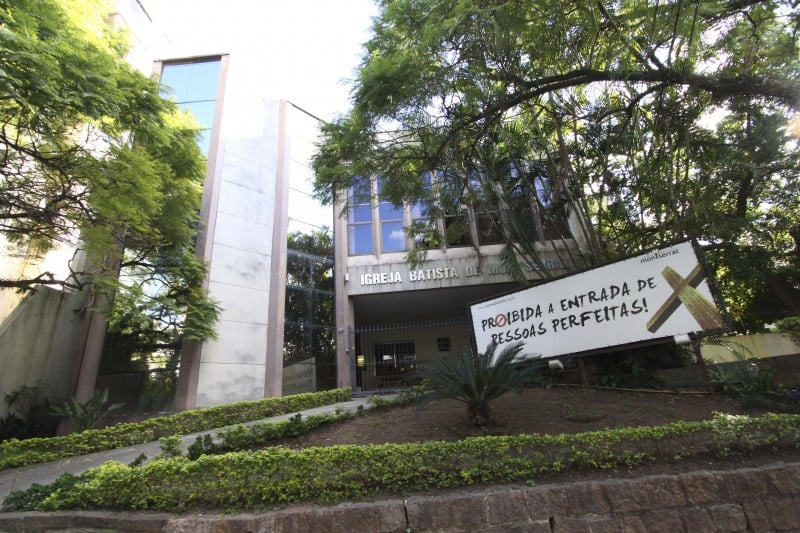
(394, 363)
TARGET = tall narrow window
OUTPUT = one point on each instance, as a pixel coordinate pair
(423, 231)
(452, 192)
(393, 237)
(193, 86)
(359, 218)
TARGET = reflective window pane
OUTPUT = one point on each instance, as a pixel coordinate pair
(193, 86)
(360, 213)
(387, 211)
(203, 112)
(360, 239)
(393, 238)
(176, 78)
(203, 81)
(361, 193)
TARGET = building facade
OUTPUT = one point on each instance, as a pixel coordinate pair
(308, 300)
(256, 193)
(394, 315)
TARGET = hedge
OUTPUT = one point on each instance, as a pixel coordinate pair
(255, 479)
(14, 452)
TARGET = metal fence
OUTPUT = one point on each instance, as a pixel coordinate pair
(386, 357)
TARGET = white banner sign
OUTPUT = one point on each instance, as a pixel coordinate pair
(659, 294)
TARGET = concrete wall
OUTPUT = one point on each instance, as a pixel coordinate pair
(758, 345)
(37, 346)
(233, 367)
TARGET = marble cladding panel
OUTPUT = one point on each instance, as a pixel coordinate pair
(237, 342)
(238, 267)
(251, 163)
(247, 204)
(235, 232)
(220, 384)
(240, 304)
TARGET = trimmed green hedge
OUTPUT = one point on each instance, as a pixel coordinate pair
(253, 479)
(15, 452)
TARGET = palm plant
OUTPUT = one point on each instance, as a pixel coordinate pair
(476, 380)
(86, 415)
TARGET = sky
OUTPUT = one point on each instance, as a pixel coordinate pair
(308, 49)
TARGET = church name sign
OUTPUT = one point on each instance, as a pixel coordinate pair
(469, 273)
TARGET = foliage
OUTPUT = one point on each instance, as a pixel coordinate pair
(170, 446)
(12, 426)
(86, 415)
(94, 158)
(476, 380)
(203, 445)
(310, 320)
(31, 451)
(257, 435)
(20, 420)
(744, 378)
(791, 326)
(641, 124)
(278, 475)
(405, 396)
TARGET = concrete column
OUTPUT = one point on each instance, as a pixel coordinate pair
(273, 379)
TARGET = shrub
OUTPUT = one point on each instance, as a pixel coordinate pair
(253, 479)
(791, 326)
(15, 453)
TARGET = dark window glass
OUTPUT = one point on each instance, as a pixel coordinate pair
(488, 228)
(456, 228)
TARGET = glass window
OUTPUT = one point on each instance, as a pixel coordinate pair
(420, 210)
(393, 237)
(359, 217)
(360, 239)
(489, 231)
(193, 86)
(360, 213)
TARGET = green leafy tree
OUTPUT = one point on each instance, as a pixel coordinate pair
(309, 313)
(93, 157)
(477, 379)
(639, 123)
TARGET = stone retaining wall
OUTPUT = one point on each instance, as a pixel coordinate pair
(756, 499)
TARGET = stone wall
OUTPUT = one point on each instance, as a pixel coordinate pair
(755, 499)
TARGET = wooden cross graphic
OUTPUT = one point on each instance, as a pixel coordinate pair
(684, 292)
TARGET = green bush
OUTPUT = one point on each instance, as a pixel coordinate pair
(254, 479)
(790, 326)
(14, 453)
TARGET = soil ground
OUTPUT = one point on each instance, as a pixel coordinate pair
(533, 410)
(552, 411)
